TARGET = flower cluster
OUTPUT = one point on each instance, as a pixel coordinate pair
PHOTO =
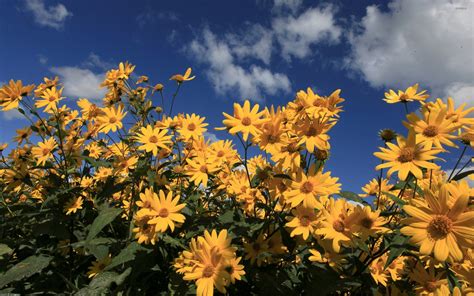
(104, 196)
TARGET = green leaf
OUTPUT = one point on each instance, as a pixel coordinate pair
(397, 247)
(127, 254)
(5, 250)
(106, 216)
(24, 269)
(101, 283)
(395, 199)
(463, 175)
(173, 241)
(352, 196)
(227, 217)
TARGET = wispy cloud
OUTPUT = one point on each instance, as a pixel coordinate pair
(150, 16)
(53, 16)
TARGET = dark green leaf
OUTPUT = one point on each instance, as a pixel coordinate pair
(24, 269)
(106, 216)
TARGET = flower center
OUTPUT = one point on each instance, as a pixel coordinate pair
(208, 271)
(430, 286)
(307, 187)
(404, 98)
(430, 131)
(229, 269)
(153, 139)
(191, 127)
(440, 227)
(338, 225)
(246, 121)
(163, 213)
(407, 154)
(311, 132)
(46, 151)
(305, 221)
(203, 169)
(367, 222)
(113, 120)
(292, 148)
(272, 139)
(52, 99)
(220, 153)
(256, 247)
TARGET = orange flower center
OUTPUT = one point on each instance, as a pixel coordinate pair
(367, 222)
(407, 154)
(440, 227)
(305, 221)
(208, 271)
(292, 148)
(430, 131)
(203, 169)
(220, 153)
(307, 187)
(430, 286)
(191, 127)
(153, 139)
(163, 213)
(404, 98)
(272, 139)
(52, 99)
(229, 269)
(338, 225)
(311, 132)
(46, 151)
(256, 247)
(113, 120)
(246, 121)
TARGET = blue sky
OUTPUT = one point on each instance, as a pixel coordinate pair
(263, 50)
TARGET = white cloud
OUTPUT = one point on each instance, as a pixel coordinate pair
(150, 16)
(80, 82)
(94, 61)
(297, 35)
(425, 41)
(461, 93)
(42, 59)
(281, 5)
(52, 16)
(12, 114)
(254, 43)
(211, 137)
(227, 77)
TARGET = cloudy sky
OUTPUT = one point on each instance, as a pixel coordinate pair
(264, 50)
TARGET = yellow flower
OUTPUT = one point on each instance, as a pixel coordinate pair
(73, 205)
(335, 225)
(438, 228)
(307, 188)
(112, 119)
(22, 134)
(245, 120)
(312, 133)
(145, 233)
(373, 188)
(433, 128)
(233, 270)
(98, 266)
(192, 127)
(254, 250)
(407, 157)
(409, 95)
(366, 223)
(12, 93)
(165, 210)
(44, 151)
(50, 98)
(153, 138)
(304, 222)
(199, 169)
(429, 282)
(181, 78)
